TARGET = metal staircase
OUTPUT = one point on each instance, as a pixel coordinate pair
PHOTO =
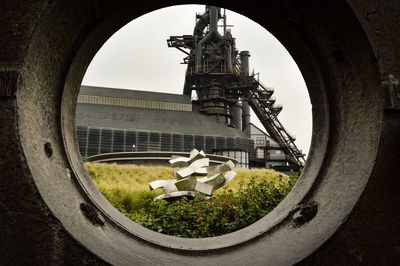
(220, 75)
(263, 104)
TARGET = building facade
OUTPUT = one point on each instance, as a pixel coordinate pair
(267, 153)
(116, 120)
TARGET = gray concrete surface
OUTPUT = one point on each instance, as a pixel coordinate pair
(345, 50)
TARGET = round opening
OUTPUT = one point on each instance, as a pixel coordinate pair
(347, 109)
(162, 117)
(235, 238)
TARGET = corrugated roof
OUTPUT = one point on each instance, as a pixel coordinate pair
(191, 123)
(134, 94)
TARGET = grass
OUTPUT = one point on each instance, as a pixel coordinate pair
(127, 185)
(252, 194)
(258, 175)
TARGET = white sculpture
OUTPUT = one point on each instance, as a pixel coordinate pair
(186, 171)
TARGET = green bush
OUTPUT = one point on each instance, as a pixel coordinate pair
(250, 196)
(206, 217)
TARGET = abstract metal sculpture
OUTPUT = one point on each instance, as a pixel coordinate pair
(186, 171)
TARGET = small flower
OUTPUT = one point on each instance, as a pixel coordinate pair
(224, 203)
(232, 207)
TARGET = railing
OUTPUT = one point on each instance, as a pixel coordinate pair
(154, 156)
(265, 109)
(216, 69)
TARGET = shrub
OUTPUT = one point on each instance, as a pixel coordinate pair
(207, 217)
(251, 195)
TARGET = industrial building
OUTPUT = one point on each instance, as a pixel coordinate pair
(267, 153)
(217, 121)
(116, 120)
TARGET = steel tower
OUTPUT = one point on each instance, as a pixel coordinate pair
(219, 74)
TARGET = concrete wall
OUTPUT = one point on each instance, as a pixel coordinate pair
(344, 210)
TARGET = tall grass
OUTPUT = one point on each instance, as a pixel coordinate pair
(126, 186)
(258, 175)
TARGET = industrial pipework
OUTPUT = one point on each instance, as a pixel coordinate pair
(214, 70)
(221, 79)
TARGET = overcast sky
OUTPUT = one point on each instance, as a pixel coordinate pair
(137, 57)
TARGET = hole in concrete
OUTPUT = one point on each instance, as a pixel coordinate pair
(304, 213)
(261, 227)
(330, 154)
(48, 150)
(125, 115)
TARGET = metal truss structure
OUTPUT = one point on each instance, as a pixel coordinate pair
(220, 76)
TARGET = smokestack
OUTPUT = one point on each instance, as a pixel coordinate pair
(236, 112)
(213, 11)
(244, 61)
(245, 114)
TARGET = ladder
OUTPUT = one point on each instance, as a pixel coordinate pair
(263, 104)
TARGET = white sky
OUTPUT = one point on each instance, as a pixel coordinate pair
(137, 57)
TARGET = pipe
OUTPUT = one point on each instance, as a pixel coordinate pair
(245, 115)
(213, 35)
(228, 57)
(201, 24)
(236, 112)
(244, 62)
(198, 30)
(213, 11)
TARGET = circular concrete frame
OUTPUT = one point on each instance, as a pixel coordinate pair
(78, 68)
(341, 73)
